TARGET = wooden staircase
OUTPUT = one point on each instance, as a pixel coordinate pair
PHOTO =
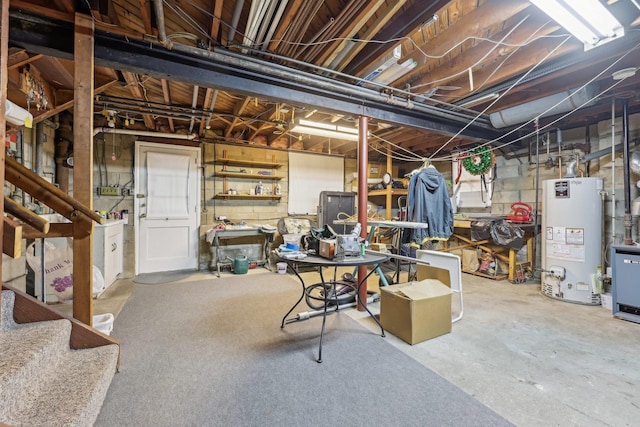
(54, 369)
(48, 375)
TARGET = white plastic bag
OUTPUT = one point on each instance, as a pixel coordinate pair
(98, 280)
(58, 265)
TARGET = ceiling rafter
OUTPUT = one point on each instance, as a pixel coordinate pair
(331, 50)
(237, 111)
(145, 14)
(382, 19)
(409, 20)
(166, 95)
(528, 55)
(134, 87)
(474, 23)
(471, 56)
(340, 27)
(287, 21)
(216, 11)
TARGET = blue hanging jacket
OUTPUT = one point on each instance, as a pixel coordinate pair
(428, 202)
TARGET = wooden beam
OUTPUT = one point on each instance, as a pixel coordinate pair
(477, 23)
(66, 5)
(134, 87)
(166, 94)
(372, 30)
(56, 229)
(237, 111)
(83, 166)
(40, 116)
(26, 61)
(145, 13)
(25, 215)
(330, 51)
(4, 58)
(11, 238)
(215, 21)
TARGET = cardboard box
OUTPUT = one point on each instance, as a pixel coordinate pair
(416, 311)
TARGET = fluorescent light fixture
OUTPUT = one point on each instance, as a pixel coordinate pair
(16, 115)
(396, 71)
(385, 63)
(588, 20)
(329, 130)
(479, 100)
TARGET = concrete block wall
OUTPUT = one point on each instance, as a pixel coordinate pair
(516, 177)
(116, 171)
(251, 211)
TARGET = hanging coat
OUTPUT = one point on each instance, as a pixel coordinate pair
(428, 202)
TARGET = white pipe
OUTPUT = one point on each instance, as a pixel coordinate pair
(194, 103)
(143, 133)
(234, 21)
(613, 170)
(162, 32)
(207, 124)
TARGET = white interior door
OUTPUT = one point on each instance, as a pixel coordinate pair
(167, 207)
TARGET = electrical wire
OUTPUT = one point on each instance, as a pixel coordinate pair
(562, 117)
(551, 52)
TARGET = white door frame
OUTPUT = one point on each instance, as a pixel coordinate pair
(178, 149)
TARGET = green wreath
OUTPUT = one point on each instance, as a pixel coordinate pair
(478, 162)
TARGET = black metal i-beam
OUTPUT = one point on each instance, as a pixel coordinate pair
(55, 38)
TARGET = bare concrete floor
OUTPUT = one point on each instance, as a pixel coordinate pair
(534, 360)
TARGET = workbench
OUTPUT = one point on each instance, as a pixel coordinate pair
(462, 230)
(214, 236)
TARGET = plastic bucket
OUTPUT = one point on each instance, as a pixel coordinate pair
(282, 267)
(241, 264)
(103, 323)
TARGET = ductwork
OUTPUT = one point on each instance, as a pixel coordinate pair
(553, 104)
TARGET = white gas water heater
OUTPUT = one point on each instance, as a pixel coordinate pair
(571, 238)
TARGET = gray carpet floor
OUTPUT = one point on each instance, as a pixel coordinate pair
(162, 277)
(212, 353)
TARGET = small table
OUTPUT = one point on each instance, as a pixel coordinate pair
(234, 233)
(374, 224)
(374, 260)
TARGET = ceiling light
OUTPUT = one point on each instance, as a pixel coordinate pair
(329, 130)
(385, 63)
(396, 71)
(588, 20)
(479, 100)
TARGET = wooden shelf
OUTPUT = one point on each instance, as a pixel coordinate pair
(248, 196)
(271, 178)
(229, 174)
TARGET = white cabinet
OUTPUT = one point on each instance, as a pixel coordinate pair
(108, 249)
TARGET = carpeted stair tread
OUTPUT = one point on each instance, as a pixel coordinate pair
(6, 310)
(44, 382)
(27, 351)
(70, 395)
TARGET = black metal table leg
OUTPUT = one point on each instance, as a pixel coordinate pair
(360, 282)
(299, 299)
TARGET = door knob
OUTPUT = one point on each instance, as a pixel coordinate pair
(144, 215)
